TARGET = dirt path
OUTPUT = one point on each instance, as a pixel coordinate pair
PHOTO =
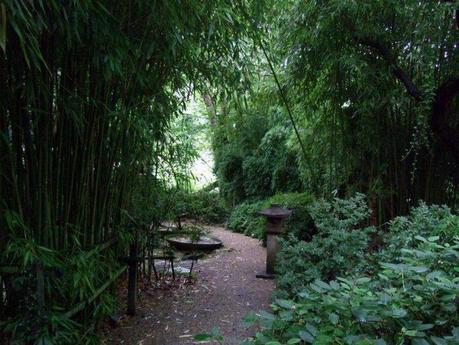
(225, 291)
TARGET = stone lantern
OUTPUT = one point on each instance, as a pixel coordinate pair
(275, 216)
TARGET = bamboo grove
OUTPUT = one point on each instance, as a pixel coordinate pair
(87, 91)
(373, 87)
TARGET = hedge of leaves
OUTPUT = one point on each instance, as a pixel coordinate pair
(206, 207)
(409, 296)
(414, 301)
(337, 249)
(245, 219)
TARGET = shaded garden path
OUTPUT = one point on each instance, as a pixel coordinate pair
(225, 291)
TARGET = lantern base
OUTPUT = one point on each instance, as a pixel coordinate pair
(264, 275)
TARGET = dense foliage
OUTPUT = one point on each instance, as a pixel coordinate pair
(405, 292)
(244, 217)
(252, 157)
(203, 206)
(337, 249)
(88, 93)
(371, 88)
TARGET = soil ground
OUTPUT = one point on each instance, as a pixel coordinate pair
(224, 291)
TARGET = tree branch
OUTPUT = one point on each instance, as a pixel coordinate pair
(444, 96)
(399, 73)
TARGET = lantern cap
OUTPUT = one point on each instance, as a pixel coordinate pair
(275, 211)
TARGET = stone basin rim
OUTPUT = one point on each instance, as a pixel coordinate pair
(183, 242)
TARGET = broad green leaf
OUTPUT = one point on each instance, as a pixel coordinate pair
(360, 315)
(439, 341)
(306, 336)
(433, 238)
(419, 269)
(323, 340)
(322, 284)
(398, 312)
(268, 316)
(249, 319)
(312, 329)
(424, 327)
(287, 304)
(363, 280)
(333, 318)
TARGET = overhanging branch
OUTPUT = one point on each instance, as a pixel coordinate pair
(444, 95)
(399, 73)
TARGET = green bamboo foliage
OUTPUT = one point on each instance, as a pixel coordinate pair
(373, 89)
(87, 89)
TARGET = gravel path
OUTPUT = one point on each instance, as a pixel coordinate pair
(225, 291)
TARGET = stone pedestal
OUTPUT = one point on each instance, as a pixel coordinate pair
(275, 215)
(272, 249)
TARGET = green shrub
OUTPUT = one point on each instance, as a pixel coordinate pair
(71, 277)
(272, 167)
(245, 219)
(257, 176)
(228, 166)
(409, 296)
(423, 220)
(346, 214)
(207, 207)
(336, 250)
(411, 302)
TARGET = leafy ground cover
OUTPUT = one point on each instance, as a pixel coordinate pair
(332, 290)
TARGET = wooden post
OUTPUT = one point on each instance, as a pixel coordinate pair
(132, 279)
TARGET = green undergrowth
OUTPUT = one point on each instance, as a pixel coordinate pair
(244, 218)
(335, 290)
(72, 277)
(338, 248)
(204, 206)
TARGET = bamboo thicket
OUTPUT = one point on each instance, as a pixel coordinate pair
(87, 89)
